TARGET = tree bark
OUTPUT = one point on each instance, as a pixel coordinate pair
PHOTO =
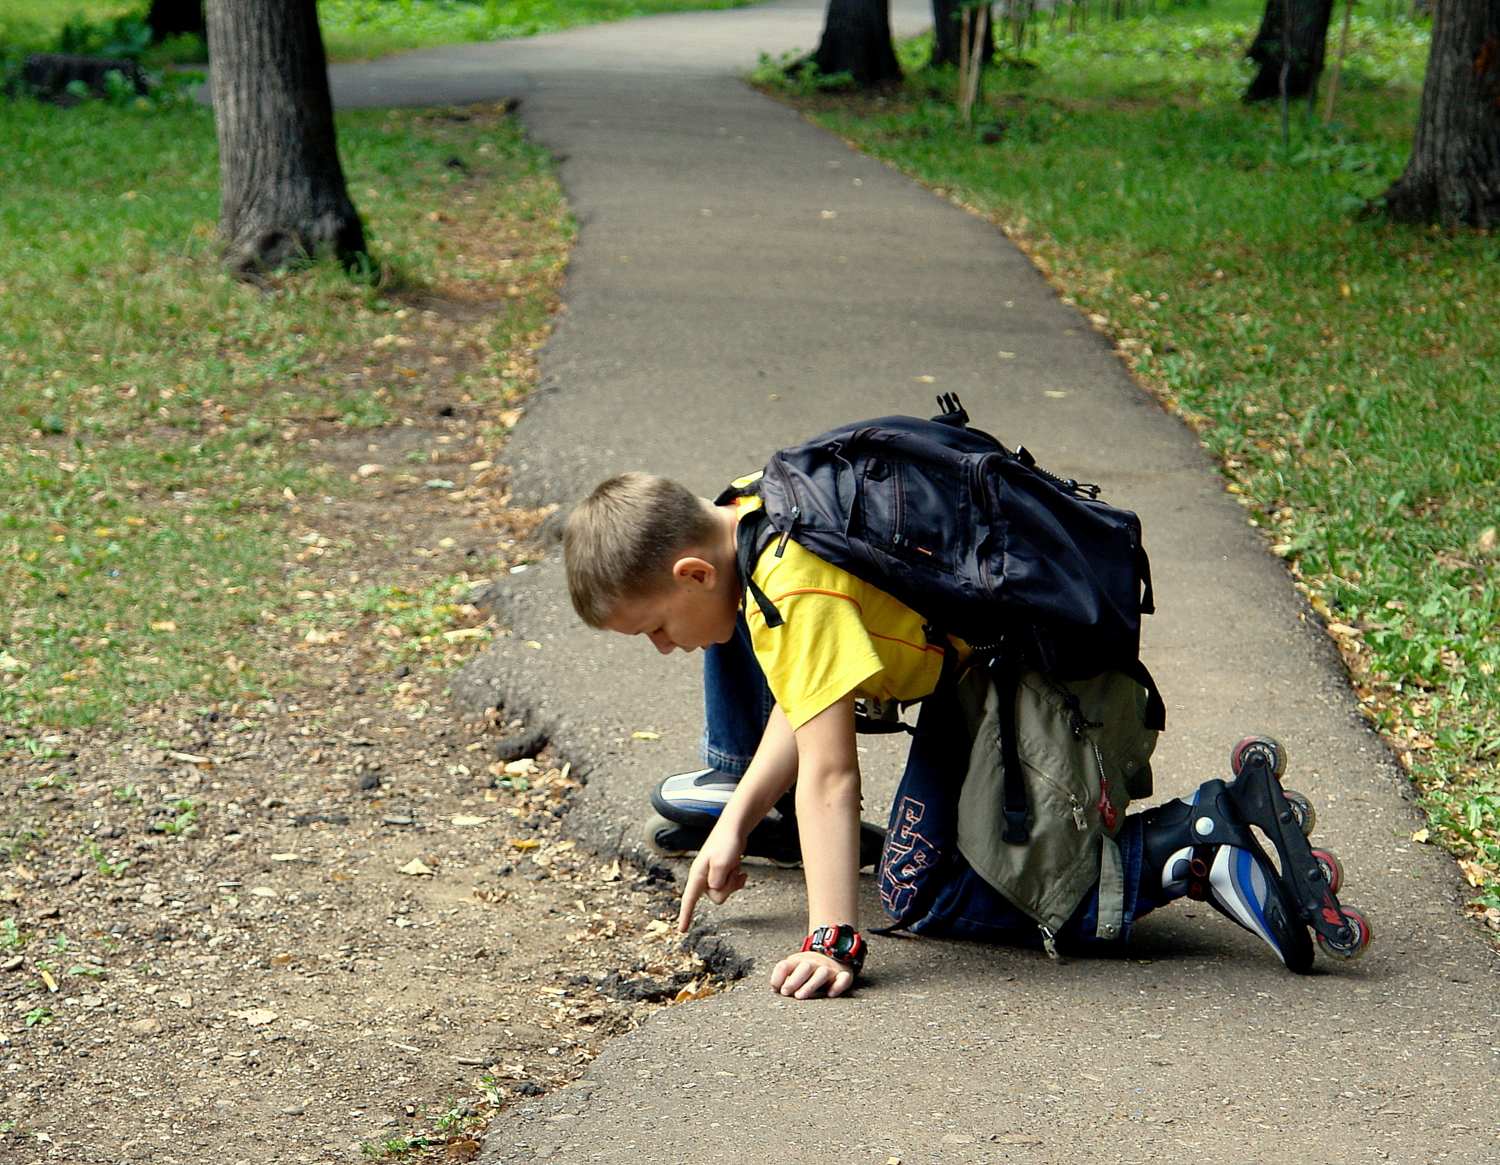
(857, 40)
(1453, 175)
(282, 192)
(946, 15)
(1292, 41)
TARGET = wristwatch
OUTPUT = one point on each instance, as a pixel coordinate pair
(842, 944)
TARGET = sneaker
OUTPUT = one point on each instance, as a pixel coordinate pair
(1240, 885)
(688, 805)
(699, 797)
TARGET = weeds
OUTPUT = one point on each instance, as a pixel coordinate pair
(179, 818)
(109, 867)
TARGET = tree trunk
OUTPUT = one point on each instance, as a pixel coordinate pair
(946, 17)
(1453, 175)
(282, 192)
(1292, 42)
(857, 40)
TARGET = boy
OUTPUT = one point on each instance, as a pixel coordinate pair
(644, 556)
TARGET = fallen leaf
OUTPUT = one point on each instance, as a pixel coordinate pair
(1421, 834)
(528, 843)
(416, 867)
(164, 625)
(646, 735)
(255, 1016)
(1474, 872)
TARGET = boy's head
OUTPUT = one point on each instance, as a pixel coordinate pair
(644, 555)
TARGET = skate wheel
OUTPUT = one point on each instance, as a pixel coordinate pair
(1302, 808)
(1356, 946)
(666, 838)
(1268, 746)
(1333, 870)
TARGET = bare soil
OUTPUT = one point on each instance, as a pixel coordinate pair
(339, 923)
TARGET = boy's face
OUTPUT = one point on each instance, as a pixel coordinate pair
(695, 609)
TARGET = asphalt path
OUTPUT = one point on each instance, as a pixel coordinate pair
(741, 281)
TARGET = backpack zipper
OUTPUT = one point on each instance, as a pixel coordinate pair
(787, 533)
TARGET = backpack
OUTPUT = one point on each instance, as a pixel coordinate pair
(1048, 585)
(980, 541)
(1082, 754)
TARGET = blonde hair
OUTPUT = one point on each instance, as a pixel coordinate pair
(621, 541)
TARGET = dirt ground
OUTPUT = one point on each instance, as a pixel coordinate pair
(329, 926)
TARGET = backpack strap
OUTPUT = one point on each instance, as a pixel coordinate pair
(1014, 806)
(1155, 715)
(750, 538)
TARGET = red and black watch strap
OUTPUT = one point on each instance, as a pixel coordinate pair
(842, 944)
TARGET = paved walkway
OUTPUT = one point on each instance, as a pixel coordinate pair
(741, 281)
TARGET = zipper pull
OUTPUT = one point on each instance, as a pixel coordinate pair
(787, 533)
(1078, 819)
(1049, 943)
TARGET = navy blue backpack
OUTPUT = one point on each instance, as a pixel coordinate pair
(979, 540)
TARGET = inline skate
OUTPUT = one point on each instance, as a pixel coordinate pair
(1206, 849)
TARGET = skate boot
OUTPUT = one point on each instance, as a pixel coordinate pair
(688, 806)
(1205, 848)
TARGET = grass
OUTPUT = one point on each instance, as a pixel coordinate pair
(352, 29)
(1343, 371)
(154, 413)
(360, 29)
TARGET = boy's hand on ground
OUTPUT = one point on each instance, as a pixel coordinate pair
(716, 872)
(806, 975)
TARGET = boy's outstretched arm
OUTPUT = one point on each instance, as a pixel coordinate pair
(828, 807)
(716, 870)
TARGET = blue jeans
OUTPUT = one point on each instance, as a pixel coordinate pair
(925, 884)
(736, 703)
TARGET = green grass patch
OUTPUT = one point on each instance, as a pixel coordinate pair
(1344, 372)
(153, 410)
(361, 29)
(352, 29)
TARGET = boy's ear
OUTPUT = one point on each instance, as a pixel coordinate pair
(697, 570)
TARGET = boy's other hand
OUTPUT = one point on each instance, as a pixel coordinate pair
(716, 872)
(806, 975)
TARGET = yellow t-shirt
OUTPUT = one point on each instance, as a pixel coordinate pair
(840, 635)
